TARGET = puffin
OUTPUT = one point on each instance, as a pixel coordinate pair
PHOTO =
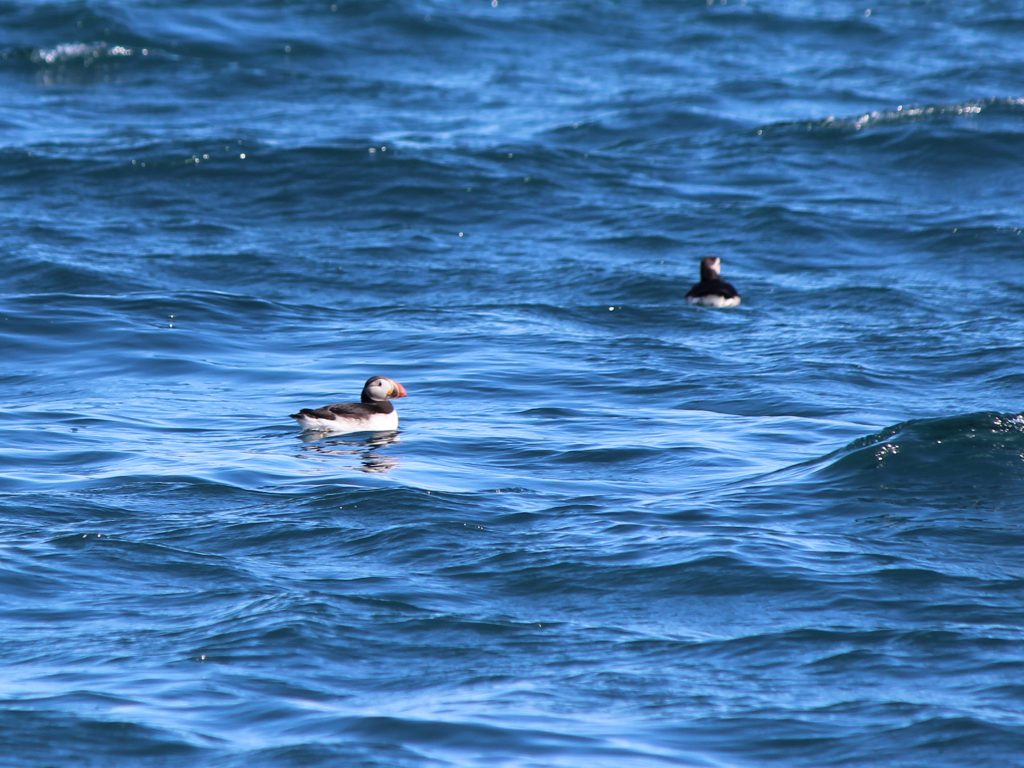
(712, 290)
(373, 413)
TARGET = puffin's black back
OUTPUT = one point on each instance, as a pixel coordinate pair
(358, 410)
(713, 287)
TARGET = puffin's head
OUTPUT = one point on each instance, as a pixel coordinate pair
(382, 388)
(710, 267)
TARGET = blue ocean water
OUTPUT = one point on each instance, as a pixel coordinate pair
(614, 529)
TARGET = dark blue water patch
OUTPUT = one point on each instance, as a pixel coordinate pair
(933, 736)
(61, 19)
(40, 733)
(798, 20)
(366, 187)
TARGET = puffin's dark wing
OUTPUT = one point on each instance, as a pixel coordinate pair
(714, 287)
(331, 412)
(351, 410)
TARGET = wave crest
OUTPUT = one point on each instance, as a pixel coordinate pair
(85, 54)
(901, 115)
(980, 455)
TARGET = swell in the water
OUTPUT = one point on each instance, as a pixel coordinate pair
(901, 115)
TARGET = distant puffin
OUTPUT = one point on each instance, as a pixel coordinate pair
(373, 413)
(712, 290)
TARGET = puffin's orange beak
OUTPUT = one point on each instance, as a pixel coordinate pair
(398, 391)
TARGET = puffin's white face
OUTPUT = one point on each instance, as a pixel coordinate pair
(714, 263)
(383, 388)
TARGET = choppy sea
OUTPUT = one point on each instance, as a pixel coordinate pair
(614, 530)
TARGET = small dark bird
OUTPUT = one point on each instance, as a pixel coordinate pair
(712, 290)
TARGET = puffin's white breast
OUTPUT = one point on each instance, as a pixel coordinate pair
(718, 302)
(375, 422)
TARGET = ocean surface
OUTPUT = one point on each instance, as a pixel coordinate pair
(614, 530)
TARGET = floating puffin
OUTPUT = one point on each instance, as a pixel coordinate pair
(373, 413)
(712, 290)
